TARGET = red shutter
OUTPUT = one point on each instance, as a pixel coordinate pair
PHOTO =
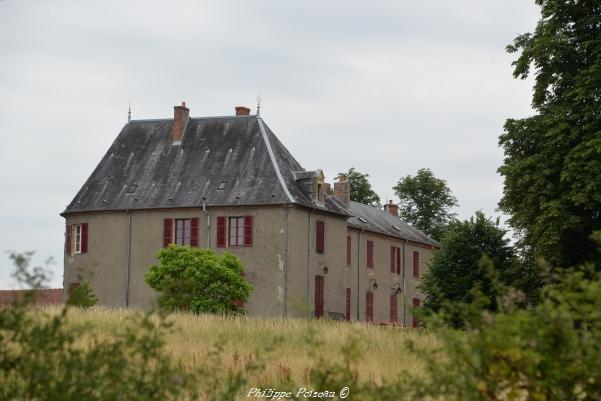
(319, 236)
(167, 232)
(416, 304)
(68, 239)
(393, 309)
(221, 232)
(398, 261)
(348, 303)
(194, 231)
(348, 250)
(369, 306)
(318, 296)
(248, 231)
(84, 238)
(392, 255)
(370, 254)
(416, 264)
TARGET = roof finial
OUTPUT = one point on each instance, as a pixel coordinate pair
(259, 105)
(129, 112)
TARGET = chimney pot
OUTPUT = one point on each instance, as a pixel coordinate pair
(392, 208)
(242, 111)
(342, 191)
(181, 115)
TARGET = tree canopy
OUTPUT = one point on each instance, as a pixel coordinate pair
(361, 190)
(457, 268)
(198, 280)
(552, 188)
(425, 202)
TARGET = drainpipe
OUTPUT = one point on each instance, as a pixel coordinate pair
(285, 261)
(128, 258)
(204, 210)
(358, 273)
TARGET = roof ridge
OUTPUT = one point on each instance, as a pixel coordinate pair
(273, 160)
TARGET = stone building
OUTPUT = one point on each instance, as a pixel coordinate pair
(228, 183)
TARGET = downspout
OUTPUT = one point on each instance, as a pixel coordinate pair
(204, 210)
(285, 261)
(403, 278)
(358, 273)
(128, 258)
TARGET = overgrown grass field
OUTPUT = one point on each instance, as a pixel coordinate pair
(285, 349)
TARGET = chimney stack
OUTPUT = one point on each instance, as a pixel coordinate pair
(242, 111)
(392, 208)
(342, 190)
(180, 120)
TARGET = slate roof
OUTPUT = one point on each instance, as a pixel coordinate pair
(381, 221)
(235, 160)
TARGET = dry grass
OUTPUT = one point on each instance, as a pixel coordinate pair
(282, 344)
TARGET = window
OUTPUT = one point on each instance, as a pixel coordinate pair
(370, 254)
(369, 306)
(239, 232)
(236, 231)
(76, 240)
(395, 259)
(319, 236)
(182, 231)
(348, 304)
(415, 264)
(393, 309)
(348, 250)
(416, 305)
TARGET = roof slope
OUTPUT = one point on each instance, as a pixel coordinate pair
(233, 160)
(381, 221)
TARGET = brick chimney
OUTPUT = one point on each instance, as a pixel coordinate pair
(180, 120)
(392, 208)
(242, 111)
(342, 190)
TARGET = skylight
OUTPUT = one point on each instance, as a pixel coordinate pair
(221, 186)
(396, 227)
(362, 220)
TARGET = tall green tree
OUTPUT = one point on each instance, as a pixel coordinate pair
(361, 190)
(425, 202)
(457, 268)
(552, 164)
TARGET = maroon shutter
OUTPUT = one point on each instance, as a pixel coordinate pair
(68, 239)
(248, 231)
(348, 304)
(221, 232)
(194, 231)
(348, 250)
(318, 296)
(369, 306)
(84, 238)
(416, 304)
(167, 232)
(392, 255)
(398, 260)
(393, 309)
(319, 236)
(416, 264)
(370, 254)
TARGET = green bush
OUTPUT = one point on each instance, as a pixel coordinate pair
(82, 296)
(198, 280)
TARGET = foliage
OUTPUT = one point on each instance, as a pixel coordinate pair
(457, 267)
(425, 202)
(552, 159)
(44, 358)
(82, 296)
(361, 190)
(198, 280)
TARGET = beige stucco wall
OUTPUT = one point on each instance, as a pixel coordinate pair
(283, 278)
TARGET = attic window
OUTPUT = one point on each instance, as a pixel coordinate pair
(362, 220)
(221, 186)
(132, 188)
(396, 227)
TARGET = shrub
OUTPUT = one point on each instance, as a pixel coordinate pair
(82, 296)
(198, 280)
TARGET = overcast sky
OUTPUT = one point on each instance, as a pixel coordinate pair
(387, 87)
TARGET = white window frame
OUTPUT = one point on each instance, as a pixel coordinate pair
(235, 231)
(182, 231)
(76, 233)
